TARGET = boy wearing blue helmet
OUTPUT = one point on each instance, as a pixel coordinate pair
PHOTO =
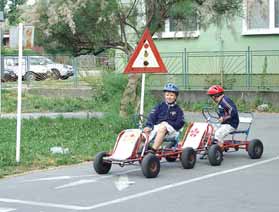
(166, 119)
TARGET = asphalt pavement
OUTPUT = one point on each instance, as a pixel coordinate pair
(239, 184)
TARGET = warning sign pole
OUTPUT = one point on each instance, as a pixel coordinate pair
(142, 101)
(145, 59)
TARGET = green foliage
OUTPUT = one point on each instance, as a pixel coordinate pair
(108, 91)
(14, 52)
(37, 103)
(3, 3)
(83, 138)
(93, 26)
(13, 13)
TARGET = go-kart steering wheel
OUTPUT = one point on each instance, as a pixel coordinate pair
(210, 115)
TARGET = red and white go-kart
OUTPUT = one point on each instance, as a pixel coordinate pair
(132, 146)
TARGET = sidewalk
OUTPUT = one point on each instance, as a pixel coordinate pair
(77, 115)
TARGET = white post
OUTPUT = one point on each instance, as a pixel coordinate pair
(1, 65)
(142, 100)
(19, 90)
(1, 69)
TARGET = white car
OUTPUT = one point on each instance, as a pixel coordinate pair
(39, 68)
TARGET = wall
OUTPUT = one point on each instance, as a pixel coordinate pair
(249, 96)
(209, 41)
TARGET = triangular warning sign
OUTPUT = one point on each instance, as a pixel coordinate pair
(146, 58)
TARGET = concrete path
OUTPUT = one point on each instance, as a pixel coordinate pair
(79, 115)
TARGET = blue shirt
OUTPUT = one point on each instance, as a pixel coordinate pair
(171, 113)
(228, 110)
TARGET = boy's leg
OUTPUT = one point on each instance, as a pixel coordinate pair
(222, 132)
(161, 133)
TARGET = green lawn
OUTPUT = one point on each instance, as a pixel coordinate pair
(83, 138)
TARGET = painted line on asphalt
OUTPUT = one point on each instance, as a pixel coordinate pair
(81, 182)
(43, 204)
(170, 186)
(138, 195)
(59, 178)
(7, 209)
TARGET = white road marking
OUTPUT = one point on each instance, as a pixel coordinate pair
(58, 178)
(81, 182)
(76, 183)
(138, 195)
(7, 209)
(141, 194)
(122, 182)
(44, 204)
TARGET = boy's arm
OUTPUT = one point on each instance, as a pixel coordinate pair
(229, 110)
(178, 124)
(152, 117)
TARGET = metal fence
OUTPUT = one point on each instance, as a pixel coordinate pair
(69, 77)
(235, 70)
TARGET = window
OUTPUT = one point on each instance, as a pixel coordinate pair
(261, 17)
(178, 28)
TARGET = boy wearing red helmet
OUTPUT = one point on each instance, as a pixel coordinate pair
(227, 111)
(166, 119)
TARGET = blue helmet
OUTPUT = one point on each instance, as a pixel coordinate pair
(171, 88)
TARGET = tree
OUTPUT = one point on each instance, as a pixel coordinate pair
(3, 4)
(11, 10)
(90, 26)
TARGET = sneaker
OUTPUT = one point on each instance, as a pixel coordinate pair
(151, 150)
(221, 146)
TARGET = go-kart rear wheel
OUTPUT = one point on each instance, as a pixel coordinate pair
(255, 149)
(150, 166)
(215, 155)
(173, 157)
(100, 166)
(188, 158)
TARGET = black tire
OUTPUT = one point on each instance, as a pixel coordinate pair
(64, 77)
(30, 76)
(55, 74)
(255, 149)
(215, 155)
(150, 166)
(188, 158)
(173, 157)
(99, 165)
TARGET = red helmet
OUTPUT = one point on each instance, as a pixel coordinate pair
(215, 90)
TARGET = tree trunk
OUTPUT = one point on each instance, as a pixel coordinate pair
(129, 97)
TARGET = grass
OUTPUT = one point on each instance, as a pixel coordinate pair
(83, 138)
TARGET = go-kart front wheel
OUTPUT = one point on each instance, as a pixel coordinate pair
(100, 166)
(150, 166)
(215, 155)
(255, 149)
(188, 158)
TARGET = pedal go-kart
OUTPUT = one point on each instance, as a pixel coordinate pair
(199, 139)
(131, 146)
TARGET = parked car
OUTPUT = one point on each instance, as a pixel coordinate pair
(39, 68)
(8, 76)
